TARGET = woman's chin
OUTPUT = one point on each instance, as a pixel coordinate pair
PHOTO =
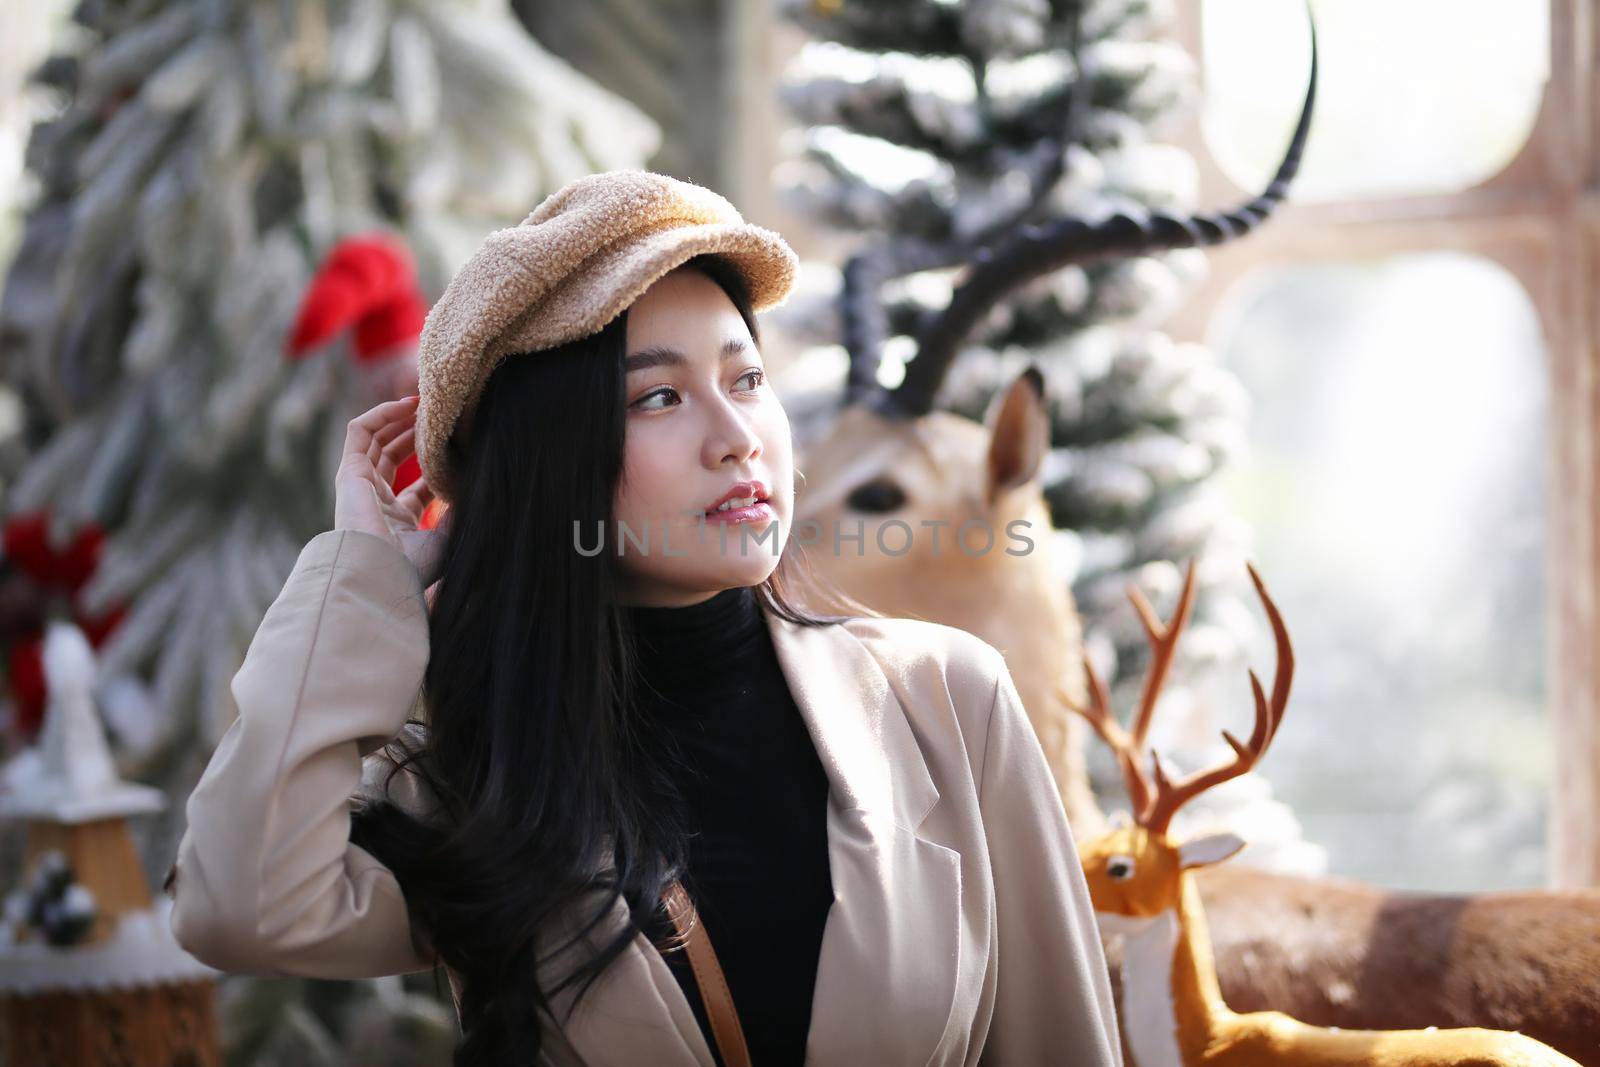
(753, 571)
(712, 573)
(731, 570)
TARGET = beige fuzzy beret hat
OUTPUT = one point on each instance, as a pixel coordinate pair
(585, 253)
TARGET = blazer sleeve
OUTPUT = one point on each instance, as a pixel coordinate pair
(266, 880)
(1053, 1001)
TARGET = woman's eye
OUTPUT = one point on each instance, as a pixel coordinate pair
(669, 396)
(644, 401)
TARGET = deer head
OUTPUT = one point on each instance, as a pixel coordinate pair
(942, 518)
(929, 495)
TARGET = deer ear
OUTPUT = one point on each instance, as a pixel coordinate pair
(1204, 851)
(1019, 434)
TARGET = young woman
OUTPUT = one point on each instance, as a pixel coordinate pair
(616, 692)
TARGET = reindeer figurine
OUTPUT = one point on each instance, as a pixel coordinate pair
(1172, 1008)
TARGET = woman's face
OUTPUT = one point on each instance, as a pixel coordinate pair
(701, 418)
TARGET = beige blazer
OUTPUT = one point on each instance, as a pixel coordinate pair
(961, 930)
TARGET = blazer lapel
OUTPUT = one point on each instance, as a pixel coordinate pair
(891, 948)
(888, 967)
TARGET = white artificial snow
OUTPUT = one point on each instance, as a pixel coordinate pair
(142, 952)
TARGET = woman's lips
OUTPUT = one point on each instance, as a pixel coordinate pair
(757, 512)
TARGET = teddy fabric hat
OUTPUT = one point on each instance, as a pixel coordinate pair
(585, 253)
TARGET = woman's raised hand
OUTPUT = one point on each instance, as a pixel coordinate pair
(375, 444)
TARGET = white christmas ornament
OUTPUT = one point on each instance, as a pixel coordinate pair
(70, 777)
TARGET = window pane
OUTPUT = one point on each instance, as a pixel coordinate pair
(1396, 484)
(1421, 97)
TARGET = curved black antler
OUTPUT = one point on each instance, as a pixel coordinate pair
(864, 319)
(1039, 249)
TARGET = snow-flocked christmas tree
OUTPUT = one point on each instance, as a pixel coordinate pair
(178, 450)
(936, 131)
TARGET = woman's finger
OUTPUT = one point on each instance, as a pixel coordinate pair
(415, 497)
(394, 453)
(360, 430)
(381, 439)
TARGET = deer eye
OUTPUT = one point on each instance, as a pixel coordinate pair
(876, 496)
(1120, 868)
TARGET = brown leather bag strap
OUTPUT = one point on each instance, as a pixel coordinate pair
(708, 976)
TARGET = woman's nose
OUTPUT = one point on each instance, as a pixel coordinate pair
(730, 436)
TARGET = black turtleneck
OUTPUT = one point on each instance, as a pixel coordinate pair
(755, 800)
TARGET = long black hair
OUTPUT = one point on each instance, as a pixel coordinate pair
(532, 745)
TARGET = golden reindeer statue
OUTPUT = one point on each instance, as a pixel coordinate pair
(1172, 1008)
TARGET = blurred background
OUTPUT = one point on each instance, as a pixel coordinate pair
(1384, 398)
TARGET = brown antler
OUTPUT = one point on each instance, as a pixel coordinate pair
(1169, 796)
(1163, 638)
(1116, 738)
(1129, 745)
(1153, 797)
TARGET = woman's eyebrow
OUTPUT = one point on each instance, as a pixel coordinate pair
(664, 356)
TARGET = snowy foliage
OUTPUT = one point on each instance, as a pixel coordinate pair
(206, 157)
(931, 127)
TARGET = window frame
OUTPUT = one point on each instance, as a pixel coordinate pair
(1539, 219)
